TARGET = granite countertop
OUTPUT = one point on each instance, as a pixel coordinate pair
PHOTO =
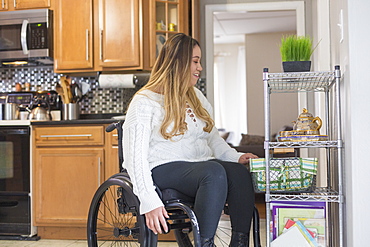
(96, 119)
(76, 121)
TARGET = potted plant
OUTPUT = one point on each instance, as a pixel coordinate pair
(296, 52)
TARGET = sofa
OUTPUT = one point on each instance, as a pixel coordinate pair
(255, 144)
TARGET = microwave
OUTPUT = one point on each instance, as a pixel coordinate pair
(26, 37)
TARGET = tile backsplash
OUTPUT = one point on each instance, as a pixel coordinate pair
(97, 100)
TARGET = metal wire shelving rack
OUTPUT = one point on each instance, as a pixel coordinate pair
(327, 82)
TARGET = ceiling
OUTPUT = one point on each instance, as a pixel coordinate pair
(231, 27)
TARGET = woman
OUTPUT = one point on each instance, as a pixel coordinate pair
(170, 140)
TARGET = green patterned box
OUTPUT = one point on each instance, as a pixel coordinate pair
(286, 174)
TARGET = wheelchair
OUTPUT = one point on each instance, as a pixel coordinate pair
(114, 218)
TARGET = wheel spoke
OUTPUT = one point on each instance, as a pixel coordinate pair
(107, 226)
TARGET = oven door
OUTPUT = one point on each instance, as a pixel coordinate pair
(15, 201)
(15, 159)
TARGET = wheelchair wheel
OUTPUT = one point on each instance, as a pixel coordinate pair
(114, 218)
(184, 237)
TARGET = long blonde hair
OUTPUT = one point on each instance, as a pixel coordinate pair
(171, 77)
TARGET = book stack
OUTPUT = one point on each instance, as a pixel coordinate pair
(298, 224)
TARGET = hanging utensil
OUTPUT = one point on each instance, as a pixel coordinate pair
(78, 93)
(59, 90)
(66, 91)
(85, 87)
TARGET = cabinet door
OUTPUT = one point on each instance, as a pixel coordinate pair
(73, 35)
(64, 182)
(30, 4)
(119, 40)
(167, 18)
(111, 166)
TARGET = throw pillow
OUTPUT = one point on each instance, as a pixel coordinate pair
(252, 140)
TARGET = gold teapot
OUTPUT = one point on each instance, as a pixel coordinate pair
(306, 121)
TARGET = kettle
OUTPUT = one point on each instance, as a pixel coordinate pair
(306, 121)
(39, 110)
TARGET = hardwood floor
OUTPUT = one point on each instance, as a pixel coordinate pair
(260, 204)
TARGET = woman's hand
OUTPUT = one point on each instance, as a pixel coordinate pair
(244, 159)
(156, 218)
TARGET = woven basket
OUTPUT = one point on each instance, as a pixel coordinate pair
(286, 174)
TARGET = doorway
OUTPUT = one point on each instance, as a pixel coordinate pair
(213, 89)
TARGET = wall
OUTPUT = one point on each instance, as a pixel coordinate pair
(353, 55)
(262, 51)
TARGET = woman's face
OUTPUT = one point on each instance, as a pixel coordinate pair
(195, 67)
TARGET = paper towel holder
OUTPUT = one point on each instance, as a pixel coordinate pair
(139, 80)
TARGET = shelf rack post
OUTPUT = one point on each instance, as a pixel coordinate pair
(267, 153)
(337, 75)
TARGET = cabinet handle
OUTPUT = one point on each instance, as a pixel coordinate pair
(2, 4)
(87, 44)
(101, 45)
(99, 171)
(15, 3)
(115, 147)
(115, 135)
(82, 135)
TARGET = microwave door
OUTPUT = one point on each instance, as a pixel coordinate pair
(24, 37)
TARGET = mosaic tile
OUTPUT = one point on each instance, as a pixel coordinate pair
(96, 101)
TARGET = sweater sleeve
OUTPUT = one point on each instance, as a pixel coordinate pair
(136, 136)
(221, 150)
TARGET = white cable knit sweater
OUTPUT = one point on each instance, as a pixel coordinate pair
(144, 147)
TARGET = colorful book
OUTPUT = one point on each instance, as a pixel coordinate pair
(311, 214)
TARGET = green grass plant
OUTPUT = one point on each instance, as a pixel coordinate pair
(296, 48)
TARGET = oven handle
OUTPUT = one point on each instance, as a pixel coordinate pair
(8, 131)
(8, 204)
(83, 135)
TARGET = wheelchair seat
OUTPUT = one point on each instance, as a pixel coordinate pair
(171, 195)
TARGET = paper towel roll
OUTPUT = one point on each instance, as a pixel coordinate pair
(116, 81)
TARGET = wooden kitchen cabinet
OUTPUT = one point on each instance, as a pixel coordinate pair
(166, 19)
(65, 181)
(118, 34)
(69, 164)
(73, 35)
(114, 35)
(31, 4)
(112, 154)
(92, 35)
(24, 4)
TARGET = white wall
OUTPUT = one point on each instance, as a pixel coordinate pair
(262, 51)
(353, 55)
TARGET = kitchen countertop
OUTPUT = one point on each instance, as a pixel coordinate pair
(76, 121)
(62, 122)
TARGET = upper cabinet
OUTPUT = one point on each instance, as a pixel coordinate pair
(24, 4)
(167, 19)
(73, 35)
(118, 34)
(109, 35)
